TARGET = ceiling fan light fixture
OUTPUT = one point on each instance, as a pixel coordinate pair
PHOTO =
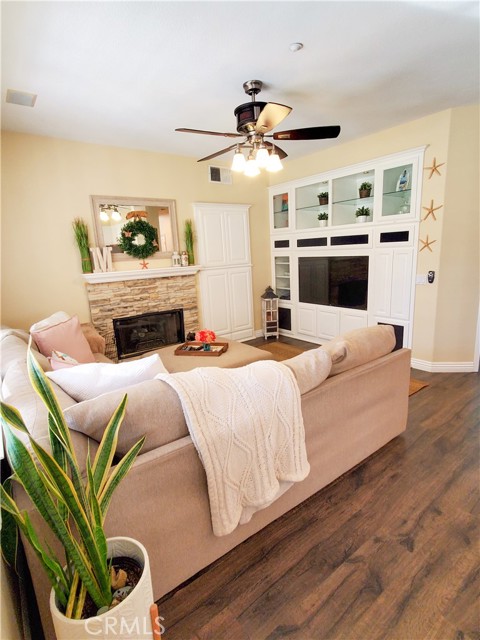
(238, 162)
(262, 156)
(274, 163)
(251, 167)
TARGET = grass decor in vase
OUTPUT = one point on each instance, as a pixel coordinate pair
(81, 236)
(73, 507)
(189, 241)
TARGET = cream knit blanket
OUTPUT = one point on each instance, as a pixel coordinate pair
(246, 424)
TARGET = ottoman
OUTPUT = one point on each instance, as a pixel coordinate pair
(237, 355)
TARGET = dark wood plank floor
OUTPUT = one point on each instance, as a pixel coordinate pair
(390, 551)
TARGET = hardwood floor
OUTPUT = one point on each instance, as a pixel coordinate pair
(390, 551)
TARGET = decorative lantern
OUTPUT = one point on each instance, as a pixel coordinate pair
(270, 313)
(176, 259)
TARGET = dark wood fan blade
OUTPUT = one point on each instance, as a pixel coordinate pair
(212, 133)
(309, 133)
(218, 153)
(271, 116)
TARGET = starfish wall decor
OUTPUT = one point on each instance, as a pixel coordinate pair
(427, 244)
(434, 168)
(431, 210)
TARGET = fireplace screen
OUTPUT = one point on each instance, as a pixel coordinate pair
(138, 334)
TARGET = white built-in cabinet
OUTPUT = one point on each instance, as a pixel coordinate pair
(387, 240)
(225, 278)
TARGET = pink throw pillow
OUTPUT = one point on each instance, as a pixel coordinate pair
(65, 336)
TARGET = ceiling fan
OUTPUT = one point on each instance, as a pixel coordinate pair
(254, 121)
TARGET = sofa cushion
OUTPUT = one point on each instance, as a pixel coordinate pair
(14, 346)
(18, 392)
(360, 346)
(86, 381)
(310, 368)
(66, 336)
(153, 409)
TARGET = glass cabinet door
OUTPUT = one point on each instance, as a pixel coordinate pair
(311, 201)
(352, 196)
(280, 211)
(397, 190)
(282, 277)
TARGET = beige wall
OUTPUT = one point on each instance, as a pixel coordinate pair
(458, 294)
(445, 312)
(47, 182)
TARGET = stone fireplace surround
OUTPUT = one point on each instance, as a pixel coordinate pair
(117, 294)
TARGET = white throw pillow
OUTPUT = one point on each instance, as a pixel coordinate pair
(86, 381)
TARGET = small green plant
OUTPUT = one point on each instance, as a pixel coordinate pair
(72, 506)
(362, 211)
(324, 194)
(365, 186)
(188, 234)
(323, 216)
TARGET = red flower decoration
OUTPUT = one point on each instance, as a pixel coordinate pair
(205, 335)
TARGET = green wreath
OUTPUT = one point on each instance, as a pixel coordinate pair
(138, 230)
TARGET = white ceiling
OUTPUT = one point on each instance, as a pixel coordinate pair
(128, 73)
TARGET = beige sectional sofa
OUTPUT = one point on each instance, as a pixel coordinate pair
(163, 502)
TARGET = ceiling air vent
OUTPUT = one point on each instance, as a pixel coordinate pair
(220, 175)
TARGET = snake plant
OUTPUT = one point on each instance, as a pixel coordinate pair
(73, 507)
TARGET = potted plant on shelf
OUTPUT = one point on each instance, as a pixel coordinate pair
(362, 214)
(323, 198)
(86, 580)
(323, 218)
(365, 190)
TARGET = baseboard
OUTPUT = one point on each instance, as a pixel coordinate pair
(444, 367)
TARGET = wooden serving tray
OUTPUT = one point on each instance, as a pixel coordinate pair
(196, 349)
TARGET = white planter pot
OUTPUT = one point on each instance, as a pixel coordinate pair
(362, 218)
(322, 223)
(129, 620)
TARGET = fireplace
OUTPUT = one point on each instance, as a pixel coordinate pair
(135, 335)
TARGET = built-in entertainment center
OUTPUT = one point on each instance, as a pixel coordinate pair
(344, 248)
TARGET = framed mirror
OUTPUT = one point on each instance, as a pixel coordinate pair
(110, 214)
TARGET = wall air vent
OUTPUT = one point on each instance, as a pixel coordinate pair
(220, 175)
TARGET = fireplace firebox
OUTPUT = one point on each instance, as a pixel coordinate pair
(148, 331)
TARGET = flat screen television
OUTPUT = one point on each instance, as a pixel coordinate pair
(335, 281)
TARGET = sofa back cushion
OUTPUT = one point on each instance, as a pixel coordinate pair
(18, 392)
(359, 346)
(153, 410)
(14, 346)
(310, 368)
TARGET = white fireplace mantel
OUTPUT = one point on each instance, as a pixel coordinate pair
(144, 274)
